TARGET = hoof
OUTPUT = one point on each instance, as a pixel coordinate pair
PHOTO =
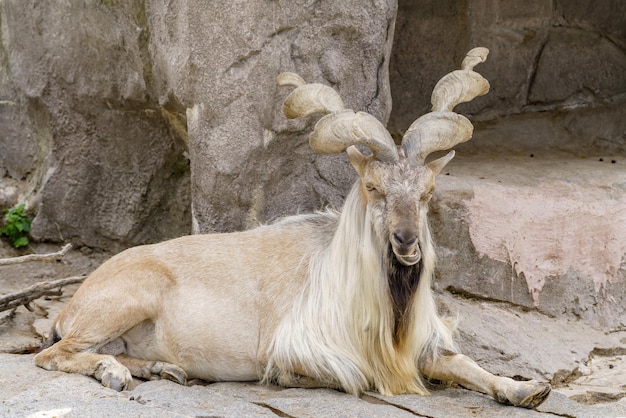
(174, 373)
(528, 395)
(537, 398)
(169, 371)
(113, 375)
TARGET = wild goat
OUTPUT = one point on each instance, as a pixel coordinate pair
(338, 300)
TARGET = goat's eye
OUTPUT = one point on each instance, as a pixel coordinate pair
(370, 188)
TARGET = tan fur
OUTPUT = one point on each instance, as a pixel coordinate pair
(335, 299)
(301, 300)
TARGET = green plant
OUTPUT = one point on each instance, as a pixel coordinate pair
(16, 226)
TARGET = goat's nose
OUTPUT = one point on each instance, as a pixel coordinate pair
(404, 238)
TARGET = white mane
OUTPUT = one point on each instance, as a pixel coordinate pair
(341, 328)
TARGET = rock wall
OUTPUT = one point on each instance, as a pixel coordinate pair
(532, 209)
(129, 122)
(248, 163)
(545, 56)
(83, 134)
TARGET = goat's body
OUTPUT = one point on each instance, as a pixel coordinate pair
(222, 306)
(333, 299)
(208, 303)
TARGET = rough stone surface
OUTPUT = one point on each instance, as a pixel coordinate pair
(552, 240)
(567, 70)
(485, 334)
(123, 121)
(249, 163)
(81, 119)
(543, 54)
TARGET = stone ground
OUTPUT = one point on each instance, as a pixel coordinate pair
(585, 366)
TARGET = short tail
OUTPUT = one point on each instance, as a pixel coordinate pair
(53, 338)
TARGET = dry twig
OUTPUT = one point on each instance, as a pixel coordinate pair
(36, 257)
(25, 296)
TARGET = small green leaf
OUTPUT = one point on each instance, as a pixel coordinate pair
(16, 226)
(20, 242)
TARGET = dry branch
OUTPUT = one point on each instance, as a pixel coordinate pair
(36, 257)
(25, 296)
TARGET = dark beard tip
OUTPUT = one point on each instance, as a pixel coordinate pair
(403, 281)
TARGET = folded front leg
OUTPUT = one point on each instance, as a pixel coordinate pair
(464, 371)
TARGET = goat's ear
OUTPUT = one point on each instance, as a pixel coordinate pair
(437, 165)
(358, 160)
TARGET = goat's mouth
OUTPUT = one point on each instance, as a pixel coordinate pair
(410, 257)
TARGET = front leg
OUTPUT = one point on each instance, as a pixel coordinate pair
(460, 369)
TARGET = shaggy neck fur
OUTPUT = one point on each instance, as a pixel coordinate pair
(361, 322)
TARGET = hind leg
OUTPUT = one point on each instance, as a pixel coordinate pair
(153, 370)
(89, 344)
(121, 294)
(111, 366)
(70, 355)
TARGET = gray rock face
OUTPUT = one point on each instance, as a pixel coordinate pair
(541, 57)
(102, 165)
(548, 148)
(123, 120)
(249, 163)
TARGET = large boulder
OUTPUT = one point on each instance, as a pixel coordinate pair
(86, 135)
(535, 232)
(249, 164)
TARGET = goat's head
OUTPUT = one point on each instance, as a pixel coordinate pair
(396, 182)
